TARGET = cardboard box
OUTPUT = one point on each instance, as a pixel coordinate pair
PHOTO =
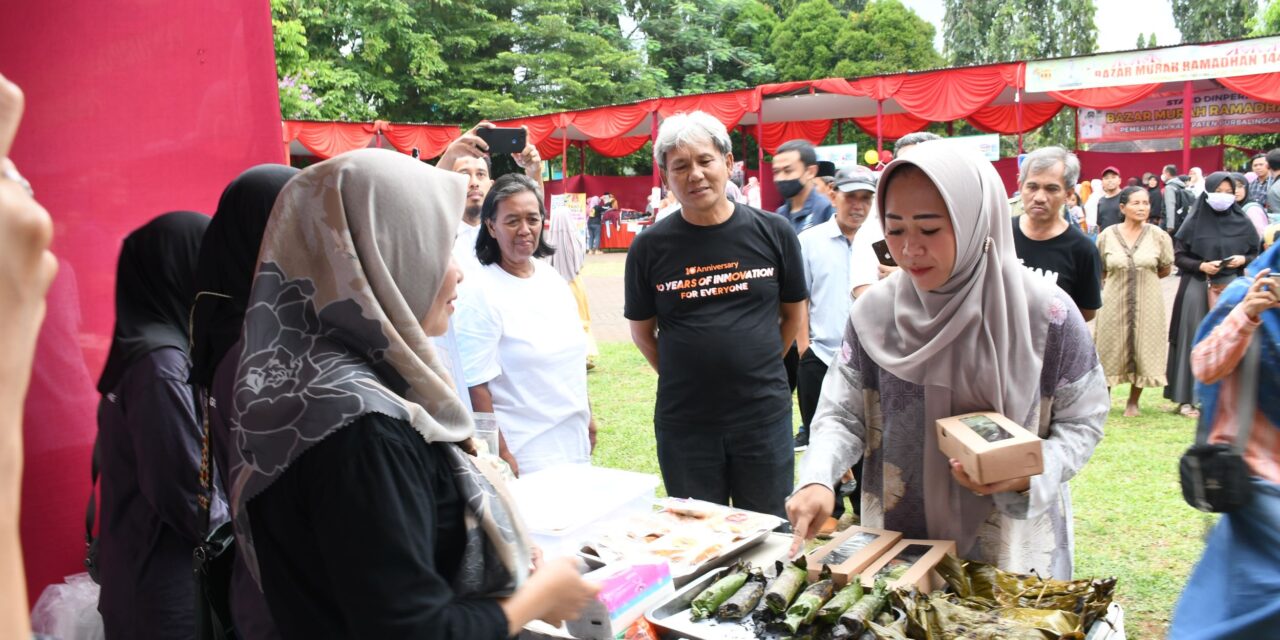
(849, 552)
(991, 447)
(910, 563)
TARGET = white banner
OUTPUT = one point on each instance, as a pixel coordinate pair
(1175, 64)
(986, 144)
(844, 156)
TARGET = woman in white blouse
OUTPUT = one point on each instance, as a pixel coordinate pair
(520, 337)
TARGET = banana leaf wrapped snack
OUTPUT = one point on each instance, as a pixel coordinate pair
(790, 580)
(744, 601)
(993, 588)
(839, 603)
(707, 602)
(855, 619)
(803, 611)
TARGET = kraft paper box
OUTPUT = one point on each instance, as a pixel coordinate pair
(910, 563)
(991, 447)
(849, 552)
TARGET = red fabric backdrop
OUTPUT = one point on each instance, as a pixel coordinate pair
(201, 77)
(1130, 164)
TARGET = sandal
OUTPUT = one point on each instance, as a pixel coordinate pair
(1188, 411)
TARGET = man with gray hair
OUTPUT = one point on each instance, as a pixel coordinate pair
(716, 294)
(1044, 240)
(911, 140)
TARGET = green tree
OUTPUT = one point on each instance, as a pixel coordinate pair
(706, 45)
(1142, 41)
(886, 37)
(1210, 20)
(452, 60)
(804, 44)
(1268, 23)
(985, 31)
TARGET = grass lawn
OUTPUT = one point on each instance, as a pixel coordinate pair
(1131, 521)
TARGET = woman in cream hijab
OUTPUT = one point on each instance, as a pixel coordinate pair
(356, 507)
(961, 327)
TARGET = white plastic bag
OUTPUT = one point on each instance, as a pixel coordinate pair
(69, 611)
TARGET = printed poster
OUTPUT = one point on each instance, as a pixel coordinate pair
(1213, 112)
(1152, 66)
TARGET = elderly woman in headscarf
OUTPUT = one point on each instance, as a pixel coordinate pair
(149, 438)
(228, 256)
(357, 507)
(1234, 591)
(1210, 250)
(522, 342)
(962, 327)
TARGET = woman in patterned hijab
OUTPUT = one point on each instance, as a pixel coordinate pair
(356, 507)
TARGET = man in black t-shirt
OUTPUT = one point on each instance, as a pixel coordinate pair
(1044, 240)
(1109, 203)
(715, 293)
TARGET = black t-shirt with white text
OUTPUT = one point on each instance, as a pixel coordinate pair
(715, 291)
(1069, 259)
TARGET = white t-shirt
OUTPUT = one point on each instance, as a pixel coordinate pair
(524, 338)
(864, 267)
(464, 247)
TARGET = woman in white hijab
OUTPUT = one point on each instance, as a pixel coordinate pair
(961, 327)
(357, 508)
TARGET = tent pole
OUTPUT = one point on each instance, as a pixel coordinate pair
(839, 131)
(564, 161)
(760, 144)
(1075, 133)
(1186, 125)
(879, 126)
(1017, 99)
(582, 158)
(653, 138)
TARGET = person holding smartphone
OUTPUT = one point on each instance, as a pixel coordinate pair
(1233, 592)
(1210, 249)
(470, 156)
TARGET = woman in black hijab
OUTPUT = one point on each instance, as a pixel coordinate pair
(1211, 249)
(1152, 183)
(223, 278)
(149, 438)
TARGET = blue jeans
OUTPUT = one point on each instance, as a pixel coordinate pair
(1234, 591)
(751, 467)
(593, 237)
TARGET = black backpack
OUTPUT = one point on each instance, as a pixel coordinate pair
(1182, 203)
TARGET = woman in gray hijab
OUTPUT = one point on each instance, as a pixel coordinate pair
(962, 327)
(357, 507)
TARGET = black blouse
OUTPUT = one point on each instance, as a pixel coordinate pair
(360, 537)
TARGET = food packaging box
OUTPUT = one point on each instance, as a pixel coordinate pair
(627, 591)
(849, 552)
(991, 447)
(562, 504)
(910, 563)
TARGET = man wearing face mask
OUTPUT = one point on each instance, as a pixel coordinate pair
(795, 173)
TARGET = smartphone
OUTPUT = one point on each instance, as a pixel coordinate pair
(881, 248)
(503, 140)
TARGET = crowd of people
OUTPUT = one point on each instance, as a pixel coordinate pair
(316, 368)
